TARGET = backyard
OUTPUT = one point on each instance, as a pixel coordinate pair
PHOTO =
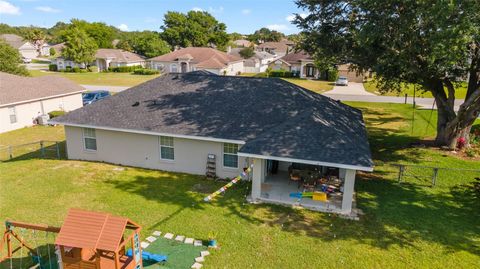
(404, 225)
(99, 78)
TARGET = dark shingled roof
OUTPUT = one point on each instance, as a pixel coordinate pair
(273, 117)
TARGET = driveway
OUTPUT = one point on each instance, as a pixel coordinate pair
(353, 88)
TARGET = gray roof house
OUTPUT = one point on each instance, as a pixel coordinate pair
(25, 48)
(176, 121)
(257, 63)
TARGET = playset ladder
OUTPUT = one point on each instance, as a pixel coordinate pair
(211, 170)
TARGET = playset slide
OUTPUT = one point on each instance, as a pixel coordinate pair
(147, 256)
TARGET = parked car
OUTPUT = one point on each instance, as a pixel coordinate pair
(26, 60)
(94, 96)
(342, 81)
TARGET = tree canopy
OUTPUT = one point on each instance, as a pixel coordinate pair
(434, 44)
(247, 52)
(10, 60)
(195, 28)
(146, 43)
(265, 35)
(79, 47)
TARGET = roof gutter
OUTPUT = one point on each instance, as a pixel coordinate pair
(42, 98)
(201, 138)
(284, 159)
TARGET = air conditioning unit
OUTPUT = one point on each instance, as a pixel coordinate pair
(43, 119)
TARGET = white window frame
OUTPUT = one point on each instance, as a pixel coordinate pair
(171, 68)
(12, 111)
(88, 136)
(231, 154)
(164, 145)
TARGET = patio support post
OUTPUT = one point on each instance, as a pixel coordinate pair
(348, 190)
(258, 174)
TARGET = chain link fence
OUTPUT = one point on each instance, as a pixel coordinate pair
(435, 176)
(39, 149)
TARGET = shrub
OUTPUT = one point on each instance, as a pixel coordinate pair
(281, 73)
(56, 113)
(261, 75)
(124, 69)
(332, 74)
(76, 69)
(68, 68)
(145, 71)
(52, 52)
(52, 67)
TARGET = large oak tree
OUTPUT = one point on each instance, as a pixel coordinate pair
(432, 43)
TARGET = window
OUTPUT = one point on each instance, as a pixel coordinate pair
(13, 114)
(89, 139)
(173, 68)
(166, 148)
(230, 158)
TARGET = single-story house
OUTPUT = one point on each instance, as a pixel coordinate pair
(242, 43)
(279, 49)
(25, 48)
(351, 75)
(62, 63)
(180, 122)
(106, 58)
(23, 99)
(257, 63)
(300, 63)
(58, 48)
(45, 49)
(198, 58)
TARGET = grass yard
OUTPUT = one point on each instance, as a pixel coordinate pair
(318, 86)
(371, 86)
(404, 226)
(99, 78)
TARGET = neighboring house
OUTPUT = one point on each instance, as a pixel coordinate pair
(45, 50)
(58, 48)
(277, 48)
(106, 58)
(198, 58)
(299, 63)
(25, 48)
(177, 121)
(23, 99)
(63, 63)
(351, 75)
(242, 43)
(257, 63)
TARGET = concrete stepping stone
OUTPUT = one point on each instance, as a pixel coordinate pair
(180, 238)
(200, 259)
(204, 253)
(157, 233)
(151, 239)
(189, 241)
(168, 236)
(197, 243)
(197, 265)
(144, 244)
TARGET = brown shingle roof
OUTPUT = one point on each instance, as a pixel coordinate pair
(14, 40)
(203, 57)
(278, 46)
(17, 89)
(119, 56)
(92, 230)
(297, 57)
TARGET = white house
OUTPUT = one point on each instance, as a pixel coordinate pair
(300, 63)
(198, 58)
(257, 63)
(105, 58)
(295, 139)
(23, 99)
(25, 48)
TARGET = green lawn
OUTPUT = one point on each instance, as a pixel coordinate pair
(371, 86)
(404, 226)
(99, 78)
(318, 86)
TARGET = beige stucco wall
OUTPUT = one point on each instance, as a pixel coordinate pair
(231, 70)
(142, 150)
(27, 112)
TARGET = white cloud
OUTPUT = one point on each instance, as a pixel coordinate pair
(48, 9)
(246, 11)
(277, 27)
(7, 8)
(291, 17)
(197, 9)
(215, 10)
(123, 27)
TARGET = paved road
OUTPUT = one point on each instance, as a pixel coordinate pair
(353, 88)
(106, 88)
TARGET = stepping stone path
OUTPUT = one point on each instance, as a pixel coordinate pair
(180, 238)
(169, 236)
(144, 244)
(197, 265)
(151, 239)
(200, 259)
(157, 233)
(204, 253)
(197, 243)
(189, 241)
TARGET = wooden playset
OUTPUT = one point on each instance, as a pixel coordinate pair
(86, 240)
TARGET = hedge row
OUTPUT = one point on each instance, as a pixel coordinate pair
(145, 71)
(284, 73)
(124, 69)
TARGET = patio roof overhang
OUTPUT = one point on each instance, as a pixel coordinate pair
(322, 163)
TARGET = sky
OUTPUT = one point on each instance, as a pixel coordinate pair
(243, 16)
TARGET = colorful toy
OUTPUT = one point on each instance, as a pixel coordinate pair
(229, 184)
